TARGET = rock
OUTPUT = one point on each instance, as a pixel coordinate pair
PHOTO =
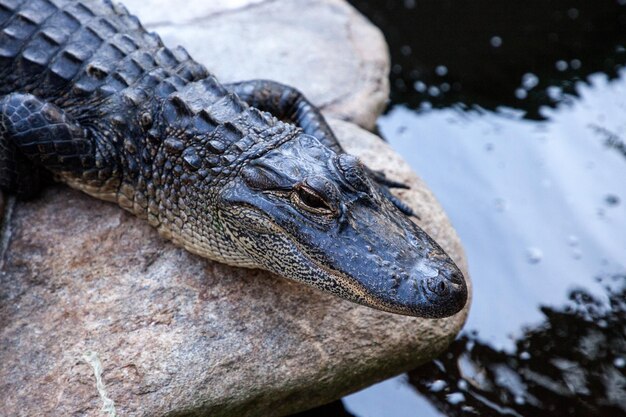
(331, 53)
(177, 334)
(84, 284)
(163, 13)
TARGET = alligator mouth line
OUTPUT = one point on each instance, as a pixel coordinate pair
(356, 291)
(360, 294)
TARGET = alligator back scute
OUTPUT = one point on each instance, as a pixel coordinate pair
(63, 50)
(13, 30)
(98, 65)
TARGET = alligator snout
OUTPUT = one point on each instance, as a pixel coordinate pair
(442, 283)
(429, 288)
(446, 292)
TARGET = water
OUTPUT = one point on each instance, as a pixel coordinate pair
(529, 199)
(515, 115)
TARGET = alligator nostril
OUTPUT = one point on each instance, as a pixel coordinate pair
(456, 278)
(438, 286)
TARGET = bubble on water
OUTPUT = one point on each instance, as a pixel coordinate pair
(534, 255)
(396, 69)
(438, 385)
(496, 41)
(554, 92)
(561, 65)
(441, 70)
(462, 384)
(619, 362)
(501, 204)
(445, 87)
(405, 50)
(409, 4)
(521, 94)
(573, 240)
(611, 200)
(519, 400)
(600, 213)
(455, 398)
(433, 91)
(573, 13)
(419, 86)
(529, 81)
(577, 254)
(575, 64)
(489, 147)
(524, 355)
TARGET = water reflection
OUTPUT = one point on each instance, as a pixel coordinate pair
(573, 364)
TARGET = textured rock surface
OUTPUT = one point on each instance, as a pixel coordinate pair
(176, 333)
(331, 53)
(179, 335)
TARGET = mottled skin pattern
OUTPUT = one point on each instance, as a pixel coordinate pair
(248, 174)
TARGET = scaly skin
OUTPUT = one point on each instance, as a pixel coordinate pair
(248, 174)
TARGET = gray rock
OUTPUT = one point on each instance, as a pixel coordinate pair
(178, 334)
(164, 12)
(170, 333)
(322, 47)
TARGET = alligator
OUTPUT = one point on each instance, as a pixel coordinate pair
(248, 174)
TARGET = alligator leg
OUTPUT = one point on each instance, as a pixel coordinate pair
(289, 104)
(38, 139)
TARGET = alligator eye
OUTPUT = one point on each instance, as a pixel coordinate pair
(309, 200)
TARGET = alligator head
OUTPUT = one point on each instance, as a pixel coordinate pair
(309, 214)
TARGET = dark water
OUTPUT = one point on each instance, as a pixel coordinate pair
(514, 112)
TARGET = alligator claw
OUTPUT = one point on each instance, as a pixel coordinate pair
(385, 184)
(381, 178)
(400, 205)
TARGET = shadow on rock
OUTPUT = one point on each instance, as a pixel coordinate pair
(334, 409)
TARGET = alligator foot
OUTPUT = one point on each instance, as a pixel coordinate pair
(28, 155)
